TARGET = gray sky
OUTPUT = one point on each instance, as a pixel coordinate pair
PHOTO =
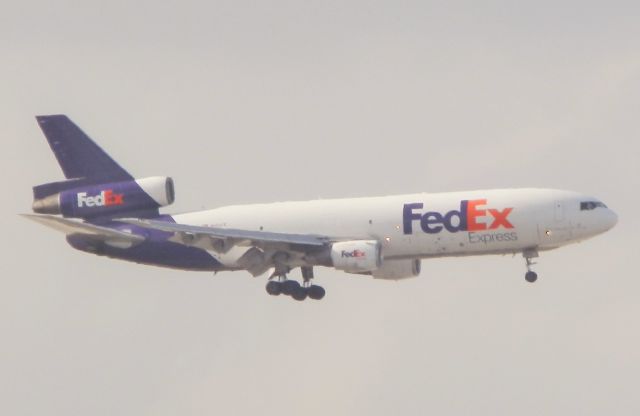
(279, 100)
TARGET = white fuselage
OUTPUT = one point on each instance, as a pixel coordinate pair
(428, 225)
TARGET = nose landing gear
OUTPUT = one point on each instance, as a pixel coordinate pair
(530, 276)
(293, 288)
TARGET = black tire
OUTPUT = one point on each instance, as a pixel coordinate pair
(274, 288)
(316, 292)
(531, 277)
(289, 286)
(299, 294)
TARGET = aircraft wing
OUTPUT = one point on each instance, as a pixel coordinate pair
(68, 226)
(222, 239)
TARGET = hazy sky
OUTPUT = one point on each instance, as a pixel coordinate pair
(263, 101)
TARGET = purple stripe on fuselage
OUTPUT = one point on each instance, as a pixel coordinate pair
(155, 250)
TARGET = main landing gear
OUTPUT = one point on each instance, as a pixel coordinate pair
(530, 276)
(293, 288)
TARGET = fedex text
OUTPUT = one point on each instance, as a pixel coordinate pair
(472, 216)
(104, 199)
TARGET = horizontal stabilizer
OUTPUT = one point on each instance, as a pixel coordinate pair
(68, 227)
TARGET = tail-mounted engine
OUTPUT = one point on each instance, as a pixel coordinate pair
(108, 199)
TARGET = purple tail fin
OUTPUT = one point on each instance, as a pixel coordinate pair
(77, 154)
(82, 161)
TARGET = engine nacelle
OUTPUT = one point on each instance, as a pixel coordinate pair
(397, 269)
(109, 198)
(360, 256)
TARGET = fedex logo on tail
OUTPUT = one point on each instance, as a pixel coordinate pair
(471, 216)
(104, 199)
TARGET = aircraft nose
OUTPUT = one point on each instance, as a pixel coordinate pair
(611, 219)
(606, 220)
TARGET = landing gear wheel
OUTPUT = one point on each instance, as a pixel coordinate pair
(300, 293)
(531, 276)
(274, 288)
(289, 286)
(528, 255)
(316, 292)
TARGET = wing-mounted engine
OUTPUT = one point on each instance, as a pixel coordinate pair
(359, 256)
(365, 257)
(108, 199)
(397, 269)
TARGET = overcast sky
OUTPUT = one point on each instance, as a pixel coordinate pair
(246, 102)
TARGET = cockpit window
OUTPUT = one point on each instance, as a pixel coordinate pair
(589, 205)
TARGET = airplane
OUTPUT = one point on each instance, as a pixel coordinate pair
(106, 211)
